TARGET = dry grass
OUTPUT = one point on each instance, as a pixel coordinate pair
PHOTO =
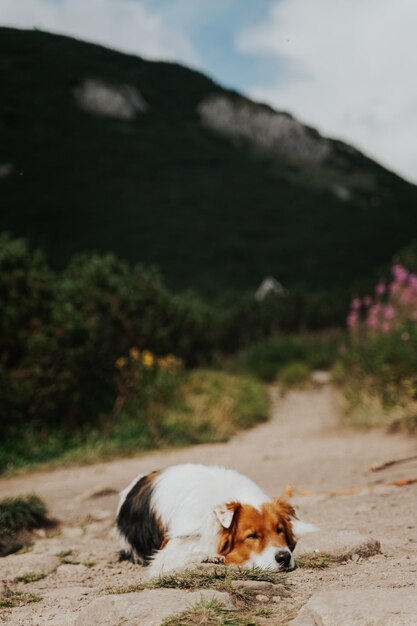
(314, 560)
(218, 578)
(30, 577)
(209, 613)
(19, 599)
(214, 406)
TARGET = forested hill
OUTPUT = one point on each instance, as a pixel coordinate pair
(156, 162)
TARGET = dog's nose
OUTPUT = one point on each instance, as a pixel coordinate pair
(283, 558)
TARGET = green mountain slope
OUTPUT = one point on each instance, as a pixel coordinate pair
(214, 189)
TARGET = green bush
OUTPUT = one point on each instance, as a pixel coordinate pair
(294, 374)
(267, 358)
(61, 333)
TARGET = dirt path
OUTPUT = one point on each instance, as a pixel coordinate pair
(302, 445)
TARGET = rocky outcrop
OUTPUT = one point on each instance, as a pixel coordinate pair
(122, 102)
(275, 132)
(148, 607)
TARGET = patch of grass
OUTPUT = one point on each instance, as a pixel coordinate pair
(89, 564)
(208, 406)
(368, 401)
(209, 613)
(23, 513)
(30, 577)
(315, 560)
(65, 559)
(25, 549)
(19, 599)
(18, 516)
(267, 359)
(219, 578)
(213, 406)
(264, 612)
(294, 374)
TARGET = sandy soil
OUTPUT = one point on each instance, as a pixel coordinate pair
(303, 445)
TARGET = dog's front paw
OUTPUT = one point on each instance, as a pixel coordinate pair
(216, 560)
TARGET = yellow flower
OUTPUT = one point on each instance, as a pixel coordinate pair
(134, 353)
(170, 362)
(121, 362)
(148, 358)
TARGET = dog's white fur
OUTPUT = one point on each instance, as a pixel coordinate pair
(189, 501)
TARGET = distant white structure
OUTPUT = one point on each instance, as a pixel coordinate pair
(121, 101)
(269, 286)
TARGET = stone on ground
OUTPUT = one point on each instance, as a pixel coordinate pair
(364, 607)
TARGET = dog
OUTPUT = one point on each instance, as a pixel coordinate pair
(190, 514)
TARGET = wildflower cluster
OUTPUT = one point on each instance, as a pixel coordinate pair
(147, 359)
(393, 308)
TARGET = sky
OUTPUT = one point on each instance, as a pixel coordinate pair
(346, 67)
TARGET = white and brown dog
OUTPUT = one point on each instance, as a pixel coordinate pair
(188, 514)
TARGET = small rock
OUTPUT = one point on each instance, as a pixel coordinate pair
(254, 586)
(373, 607)
(72, 532)
(260, 586)
(71, 571)
(261, 598)
(276, 599)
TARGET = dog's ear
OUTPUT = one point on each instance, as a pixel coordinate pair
(225, 513)
(299, 527)
(285, 508)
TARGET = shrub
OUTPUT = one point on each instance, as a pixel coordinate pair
(294, 374)
(267, 358)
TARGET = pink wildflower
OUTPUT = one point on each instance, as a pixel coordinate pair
(356, 304)
(394, 288)
(412, 281)
(389, 313)
(381, 289)
(367, 300)
(352, 320)
(399, 272)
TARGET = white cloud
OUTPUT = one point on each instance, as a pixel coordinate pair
(126, 25)
(352, 71)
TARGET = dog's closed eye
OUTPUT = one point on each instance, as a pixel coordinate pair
(252, 536)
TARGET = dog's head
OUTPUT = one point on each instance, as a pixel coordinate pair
(257, 537)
